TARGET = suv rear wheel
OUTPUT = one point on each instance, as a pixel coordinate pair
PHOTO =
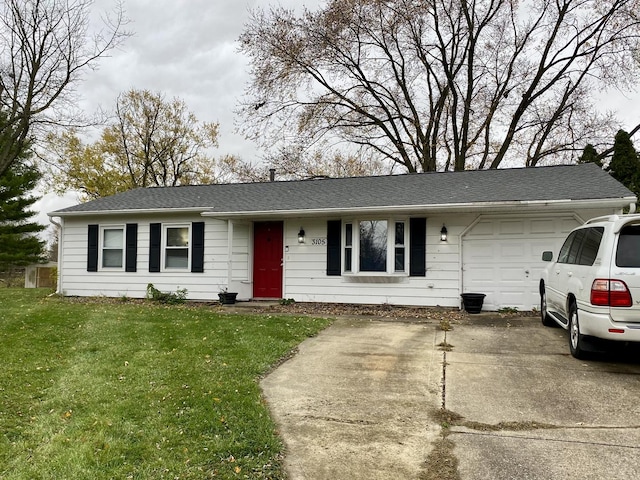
(576, 339)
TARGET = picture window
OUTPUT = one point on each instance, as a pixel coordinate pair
(375, 246)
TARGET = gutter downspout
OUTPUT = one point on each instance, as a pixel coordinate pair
(60, 249)
(230, 226)
(460, 255)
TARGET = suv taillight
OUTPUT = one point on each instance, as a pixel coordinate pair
(610, 293)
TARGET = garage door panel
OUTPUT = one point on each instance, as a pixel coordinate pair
(512, 298)
(511, 275)
(543, 227)
(480, 275)
(503, 258)
(484, 251)
(512, 250)
(511, 227)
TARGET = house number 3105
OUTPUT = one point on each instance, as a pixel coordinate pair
(319, 241)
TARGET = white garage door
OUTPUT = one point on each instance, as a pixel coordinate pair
(501, 257)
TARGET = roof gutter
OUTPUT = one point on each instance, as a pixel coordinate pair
(442, 208)
(447, 207)
(142, 211)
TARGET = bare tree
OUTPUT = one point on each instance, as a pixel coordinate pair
(45, 46)
(295, 162)
(440, 84)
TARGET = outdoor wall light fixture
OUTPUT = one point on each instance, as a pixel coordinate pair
(443, 233)
(301, 235)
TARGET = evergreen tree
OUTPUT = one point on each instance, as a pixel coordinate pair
(19, 242)
(590, 155)
(625, 165)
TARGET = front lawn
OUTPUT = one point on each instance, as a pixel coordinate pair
(102, 390)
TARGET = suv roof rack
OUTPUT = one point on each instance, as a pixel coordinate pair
(604, 218)
(619, 220)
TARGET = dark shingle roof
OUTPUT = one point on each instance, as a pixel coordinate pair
(573, 182)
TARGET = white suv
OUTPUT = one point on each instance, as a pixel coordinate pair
(593, 288)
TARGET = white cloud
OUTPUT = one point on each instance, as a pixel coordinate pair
(186, 49)
(182, 48)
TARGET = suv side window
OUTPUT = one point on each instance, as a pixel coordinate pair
(563, 256)
(572, 258)
(628, 253)
(590, 246)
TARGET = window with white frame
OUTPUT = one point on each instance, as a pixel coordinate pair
(176, 247)
(348, 247)
(399, 249)
(112, 249)
(375, 246)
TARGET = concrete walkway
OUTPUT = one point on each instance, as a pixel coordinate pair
(357, 401)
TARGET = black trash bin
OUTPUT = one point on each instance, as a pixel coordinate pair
(473, 302)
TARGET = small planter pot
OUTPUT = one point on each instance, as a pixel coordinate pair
(473, 302)
(227, 298)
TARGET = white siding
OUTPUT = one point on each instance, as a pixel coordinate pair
(241, 258)
(304, 265)
(76, 281)
(307, 281)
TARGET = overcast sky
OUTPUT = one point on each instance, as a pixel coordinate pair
(182, 48)
(188, 49)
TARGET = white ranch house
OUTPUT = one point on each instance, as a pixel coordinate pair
(368, 240)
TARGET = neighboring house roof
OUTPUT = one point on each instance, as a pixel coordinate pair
(563, 183)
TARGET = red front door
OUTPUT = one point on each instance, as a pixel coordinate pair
(267, 259)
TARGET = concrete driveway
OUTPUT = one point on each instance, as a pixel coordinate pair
(488, 399)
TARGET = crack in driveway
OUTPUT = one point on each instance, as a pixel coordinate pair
(477, 367)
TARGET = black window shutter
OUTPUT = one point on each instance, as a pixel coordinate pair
(154, 246)
(92, 248)
(197, 248)
(417, 247)
(334, 235)
(131, 245)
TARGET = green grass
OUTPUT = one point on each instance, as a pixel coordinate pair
(102, 390)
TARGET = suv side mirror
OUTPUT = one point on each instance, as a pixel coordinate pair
(547, 256)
